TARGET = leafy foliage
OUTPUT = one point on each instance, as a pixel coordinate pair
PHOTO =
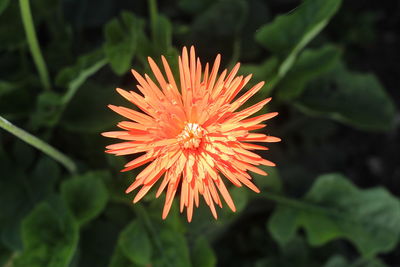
(121, 41)
(50, 237)
(85, 195)
(354, 98)
(288, 34)
(334, 208)
(330, 67)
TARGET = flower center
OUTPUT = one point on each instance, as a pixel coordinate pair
(191, 136)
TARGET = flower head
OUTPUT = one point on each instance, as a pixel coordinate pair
(193, 135)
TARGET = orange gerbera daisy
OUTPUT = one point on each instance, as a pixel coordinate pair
(193, 135)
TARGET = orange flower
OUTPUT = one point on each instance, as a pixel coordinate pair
(193, 135)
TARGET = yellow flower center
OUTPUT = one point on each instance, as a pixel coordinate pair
(191, 136)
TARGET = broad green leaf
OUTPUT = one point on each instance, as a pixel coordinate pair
(174, 249)
(340, 261)
(203, 255)
(85, 195)
(119, 259)
(121, 41)
(162, 35)
(50, 237)
(135, 244)
(357, 99)
(73, 77)
(310, 64)
(334, 208)
(3, 5)
(288, 34)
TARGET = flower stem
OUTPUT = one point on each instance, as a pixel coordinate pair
(39, 144)
(153, 17)
(33, 43)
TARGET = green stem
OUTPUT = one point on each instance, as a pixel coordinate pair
(153, 17)
(29, 27)
(39, 144)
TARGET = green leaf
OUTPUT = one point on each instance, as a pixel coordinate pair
(3, 5)
(203, 255)
(73, 77)
(121, 41)
(310, 64)
(340, 261)
(174, 252)
(119, 259)
(50, 238)
(135, 244)
(288, 34)
(162, 35)
(334, 208)
(357, 99)
(85, 195)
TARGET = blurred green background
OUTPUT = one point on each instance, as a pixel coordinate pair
(331, 67)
